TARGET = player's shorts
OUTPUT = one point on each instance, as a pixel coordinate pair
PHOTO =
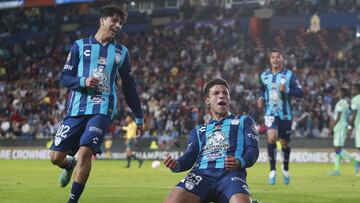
(213, 188)
(357, 137)
(88, 130)
(340, 137)
(131, 144)
(283, 126)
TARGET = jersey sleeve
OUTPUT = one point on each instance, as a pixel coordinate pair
(296, 89)
(341, 106)
(129, 89)
(355, 103)
(69, 75)
(188, 159)
(251, 144)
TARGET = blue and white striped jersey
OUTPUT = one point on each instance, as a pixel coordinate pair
(90, 58)
(277, 103)
(209, 144)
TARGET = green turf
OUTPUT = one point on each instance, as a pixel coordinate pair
(36, 182)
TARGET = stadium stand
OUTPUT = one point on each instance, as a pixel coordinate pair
(171, 63)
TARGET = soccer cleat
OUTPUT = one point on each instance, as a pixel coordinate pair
(357, 164)
(141, 162)
(286, 176)
(335, 173)
(255, 201)
(65, 175)
(272, 177)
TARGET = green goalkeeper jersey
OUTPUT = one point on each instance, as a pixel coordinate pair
(341, 106)
(355, 105)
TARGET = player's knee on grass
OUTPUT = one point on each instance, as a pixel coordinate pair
(178, 195)
(240, 198)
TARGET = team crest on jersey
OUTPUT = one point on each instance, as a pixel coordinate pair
(235, 121)
(283, 79)
(57, 140)
(189, 185)
(117, 58)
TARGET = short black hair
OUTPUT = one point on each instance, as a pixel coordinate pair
(344, 92)
(216, 81)
(356, 86)
(275, 50)
(113, 10)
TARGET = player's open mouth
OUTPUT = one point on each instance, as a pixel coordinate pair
(115, 31)
(222, 103)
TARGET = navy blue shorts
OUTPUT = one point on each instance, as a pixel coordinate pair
(283, 126)
(88, 130)
(131, 144)
(212, 188)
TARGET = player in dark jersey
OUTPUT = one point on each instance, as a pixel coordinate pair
(90, 73)
(278, 86)
(218, 153)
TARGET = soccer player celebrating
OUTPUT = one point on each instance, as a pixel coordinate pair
(355, 120)
(278, 85)
(339, 129)
(218, 153)
(90, 74)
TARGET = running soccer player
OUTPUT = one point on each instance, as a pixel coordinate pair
(90, 73)
(278, 86)
(218, 153)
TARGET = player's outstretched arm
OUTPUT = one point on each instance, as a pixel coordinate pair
(187, 160)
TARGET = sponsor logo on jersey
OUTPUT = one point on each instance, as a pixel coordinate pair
(95, 129)
(97, 99)
(95, 140)
(235, 178)
(87, 53)
(68, 67)
(101, 74)
(216, 146)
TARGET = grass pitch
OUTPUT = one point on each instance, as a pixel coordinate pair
(29, 181)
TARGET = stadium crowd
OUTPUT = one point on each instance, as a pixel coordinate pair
(171, 65)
